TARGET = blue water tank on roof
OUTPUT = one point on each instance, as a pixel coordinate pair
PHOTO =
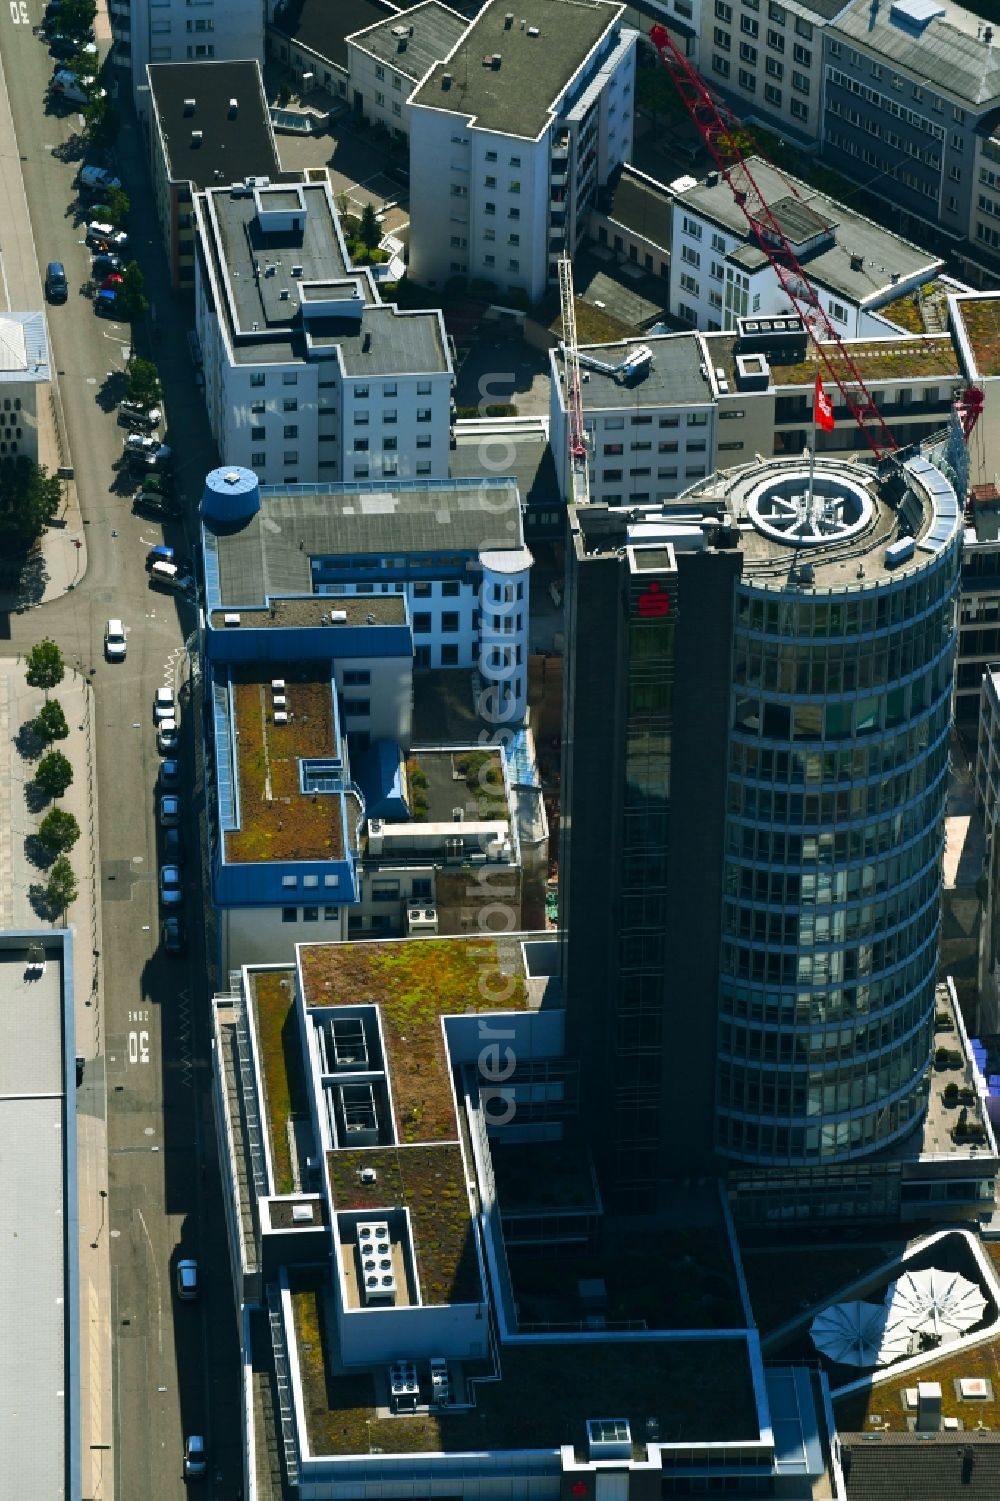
(231, 495)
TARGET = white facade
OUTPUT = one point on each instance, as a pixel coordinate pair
(176, 31)
(299, 411)
(710, 291)
(768, 58)
(501, 207)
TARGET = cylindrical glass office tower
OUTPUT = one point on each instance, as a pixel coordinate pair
(845, 632)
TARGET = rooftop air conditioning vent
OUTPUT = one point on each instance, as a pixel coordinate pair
(277, 685)
(189, 106)
(446, 80)
(230, 618)
(234, 106)
(457, 814)
(338, 617)
(367, 1175)
(302, 1214)
(296, 270)
(281, 716)
(400, 32)
(534, 31)
(857, 263)
(284, 294)
(197, 136)
(508, 20)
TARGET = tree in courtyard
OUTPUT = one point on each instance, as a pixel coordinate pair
(143, 383)
(46, 667)
(29, 500)
(58, 831)
(50, 722)
(53, 774)
(61, 888)
(370, 231)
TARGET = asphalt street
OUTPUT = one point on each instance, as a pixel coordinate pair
(175, 1364)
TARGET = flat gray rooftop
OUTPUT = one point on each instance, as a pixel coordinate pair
(524, 457)
(948, 52)
(270, 554)
(36, 1304)
(233, 145)
(641, 204)
(675, 378)
(401, 343)
(517, 97)
(360, 609)
(435, 30)
(886, 258)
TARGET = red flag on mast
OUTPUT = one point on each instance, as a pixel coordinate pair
(822, 408)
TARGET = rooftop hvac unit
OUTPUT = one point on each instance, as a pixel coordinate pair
(378, 1280)
(440, 1382)
(280, 716)
(534, 31)
(404, 1389)
(278, 685)
(302, 1214)
(234, 106)
(368, 1176)
(296, 270)
(457, 814)
(338, 617)
(230, 618)
(280, 702)
(197, 136)
(421, 921)
(189, 106)
(453, 848)
(400, 32)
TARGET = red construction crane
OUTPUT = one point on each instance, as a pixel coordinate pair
(712, 122)
(578, 456)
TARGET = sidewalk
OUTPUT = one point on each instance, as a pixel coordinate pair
(18, 705)
(63, 562)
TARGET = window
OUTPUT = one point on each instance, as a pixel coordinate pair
(310, 914)
(748, 54)
(514, 161)
(720, 65)
(513, 265)
(423, 388)
(397, 84)
(723, 11)
(776, 13)
(289, 378)
(614, 448)
(290, 430)
(458, 243)
(722, 39)
(952, 204)
(955, 173)
(838, 311)
(379, 98)
(449, 656)
(289, 914)
(330, 914)
(513, 213)
(361, 419)
(450, 589)
(490, 260)
(449, 622)
(716, 270)
(749, 26)
(491, 156)
(800, 82)
(611, 474)
(748, 81)
(422, 589)
(514, 186)
(772, 94)
(357, 677)
(489, 234)
(490, 182)
(802, 55)
(773, 67)
(423, 414)
(799, 110)
(257, 407)
(692, 228)
(390, 444)
(258, 459)
(257, 378)
(422, 623)
(289, 404)
(258, 434)
(459, 190)
(691, 256)
(423, 465)
(513, 239)
(361, 393)
(775, 40)
(697, 419)
(689, 284)
(423, 440)
(357, 708)
(379, 71)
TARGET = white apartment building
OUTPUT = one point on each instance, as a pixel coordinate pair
(511, 135)
(309, 376)
(718, 273)
(174, 31)
(689, 404)
(24, 366)
(387, 60)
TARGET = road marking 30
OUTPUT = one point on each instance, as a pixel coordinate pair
(19, 12)
(138, 1047)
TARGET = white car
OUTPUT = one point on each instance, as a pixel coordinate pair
(164, 706)
(187, 1270)
(96, 178)
(166, 737)
(195, 1458)
(115, 644)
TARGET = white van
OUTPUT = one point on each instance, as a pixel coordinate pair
(78, 90)
(169, 576)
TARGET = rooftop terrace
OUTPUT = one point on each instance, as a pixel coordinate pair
(278, 821)
(980, 317)
(415, 984)
(679, 1390)
(881, 359)
(430, 1182)
(439, 781)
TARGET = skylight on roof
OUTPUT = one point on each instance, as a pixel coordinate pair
(915, 14)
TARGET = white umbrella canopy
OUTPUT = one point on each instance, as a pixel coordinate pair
(935, 1302)
(860, 1334)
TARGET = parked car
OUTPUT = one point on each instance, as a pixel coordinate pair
(188, 1286)
(115, 645)
(171, 894)
(134, 414)
(106, 303)
(97, 178)
(172, 848)
(172, 935)
(67, 85)
(104, 264)
(56, 285)
(164, 705)
(103, 236)
(146, 450)
(170, 774)
(167, 738)
(195, 1457)
(161, 553)
(170, 810)
(169, 576)
(112, 283)
(154, 503)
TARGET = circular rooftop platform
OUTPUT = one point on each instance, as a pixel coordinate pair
(790, 510)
